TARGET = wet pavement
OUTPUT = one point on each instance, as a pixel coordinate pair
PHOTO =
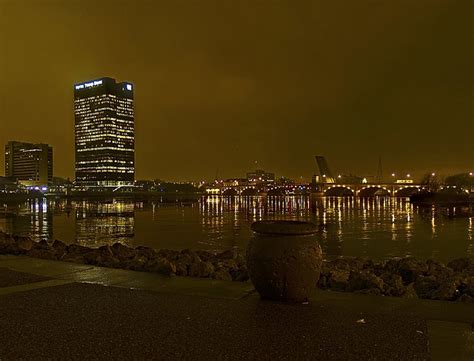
(92, 313)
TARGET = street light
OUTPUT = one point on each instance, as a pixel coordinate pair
(408, 175)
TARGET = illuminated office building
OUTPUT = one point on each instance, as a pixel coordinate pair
(30, 164)
(105, 135)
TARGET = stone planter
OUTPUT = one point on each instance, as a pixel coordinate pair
(284, 259)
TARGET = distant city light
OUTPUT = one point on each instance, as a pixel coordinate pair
(408, 175)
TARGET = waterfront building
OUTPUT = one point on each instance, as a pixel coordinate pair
(260, 176)
(104, 133)
(30, 164)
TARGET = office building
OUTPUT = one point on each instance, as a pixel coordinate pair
(30, 164)
(104, 133)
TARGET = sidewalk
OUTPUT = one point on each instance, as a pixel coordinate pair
(57, 310)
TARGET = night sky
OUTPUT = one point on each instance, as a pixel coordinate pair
(220, 84)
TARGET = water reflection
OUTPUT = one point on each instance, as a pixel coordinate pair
(98, 223)
(377, 227)
(33, 218)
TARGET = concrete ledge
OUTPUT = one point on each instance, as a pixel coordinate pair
(80, 273)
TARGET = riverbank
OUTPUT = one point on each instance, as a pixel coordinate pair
(400, 277)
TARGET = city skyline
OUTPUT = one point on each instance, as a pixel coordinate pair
(276, 85)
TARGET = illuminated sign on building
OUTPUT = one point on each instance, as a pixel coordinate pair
(89, 84)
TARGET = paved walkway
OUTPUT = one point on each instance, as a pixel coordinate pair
(56, 310)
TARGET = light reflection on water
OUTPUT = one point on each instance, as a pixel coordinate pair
(372, 227)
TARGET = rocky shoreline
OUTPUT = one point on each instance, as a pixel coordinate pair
(400, 277)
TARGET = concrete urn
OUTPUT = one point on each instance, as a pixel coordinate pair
(284, 259)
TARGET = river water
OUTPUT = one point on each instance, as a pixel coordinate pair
(378, 228)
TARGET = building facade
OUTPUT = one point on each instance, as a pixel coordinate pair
(104, 133)
(30, 164)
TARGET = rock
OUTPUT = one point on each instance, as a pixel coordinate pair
(370, 291)
(201, 269)
(240, 275)
(122, 252)
(137, 263)
(447, 290)
(188, 256)
(229, 264)
(425, 286)
(145, 252)
(323, 282)
(463, 265)
(438, 270)
(181, 269)
(60, 248)
(43, 244)
(410, 291)
(378, 269)
(410, 269)
(229, 254)
(392, 284)
(7, 244)
(102, 256)
(347, 263)
(77, 249)
(467, 286)
(206, 256)
(364, 280)
(466, 298)
(163, 267)
(23, 244)
(75, 253)
(169, 254)
(222, 275)
(338, 280)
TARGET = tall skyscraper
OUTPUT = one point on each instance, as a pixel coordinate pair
(105, 133)
(31, 164)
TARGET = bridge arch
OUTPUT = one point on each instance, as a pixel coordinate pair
(230, 192)
(249, 191)
(339, 191)
(407, 191)
(373, 191)
(278, 191)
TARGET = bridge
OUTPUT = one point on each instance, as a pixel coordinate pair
(368, 189)
(258, 189)
(320, 189)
